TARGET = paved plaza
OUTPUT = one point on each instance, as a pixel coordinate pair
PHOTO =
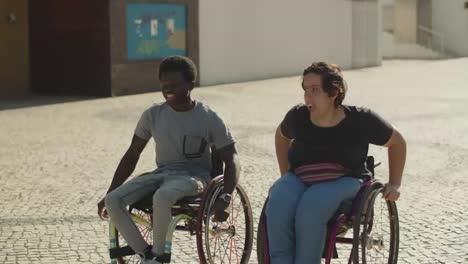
(58, 155)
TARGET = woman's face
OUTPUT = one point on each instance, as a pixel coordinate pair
(316, 99)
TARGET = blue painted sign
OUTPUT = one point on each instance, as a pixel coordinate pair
(156, 31)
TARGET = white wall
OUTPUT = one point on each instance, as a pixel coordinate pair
(388, 18)
(387, 2)
(258, 39)
(405, 29)
(366, 33)
(451, 19)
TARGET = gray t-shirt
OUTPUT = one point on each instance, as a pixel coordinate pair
(183, 139)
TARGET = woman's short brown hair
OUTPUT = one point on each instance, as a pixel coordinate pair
(332, 79)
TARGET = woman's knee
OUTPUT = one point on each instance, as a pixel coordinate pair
(349, 187)
(284, 197)
(288, 185)
(319, 203)
(316, 214)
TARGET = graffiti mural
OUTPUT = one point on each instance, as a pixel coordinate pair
(155, 31)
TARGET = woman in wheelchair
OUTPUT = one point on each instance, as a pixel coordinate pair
(321, 147)
(183, 130)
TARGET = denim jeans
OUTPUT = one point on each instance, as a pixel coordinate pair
(297, 216)
(168, 187)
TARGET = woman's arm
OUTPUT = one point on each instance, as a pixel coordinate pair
(282, 146)
(396, 160)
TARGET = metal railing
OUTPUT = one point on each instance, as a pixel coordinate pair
(433, 36)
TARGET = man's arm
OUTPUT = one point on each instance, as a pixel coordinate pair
(231, 167)
(231, 177)
(128, 162)
(125, 168)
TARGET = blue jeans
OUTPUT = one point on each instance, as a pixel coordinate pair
(297, 216)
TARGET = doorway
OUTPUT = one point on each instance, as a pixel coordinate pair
(14, 48)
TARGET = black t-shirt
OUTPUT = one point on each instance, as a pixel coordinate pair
(347, 143)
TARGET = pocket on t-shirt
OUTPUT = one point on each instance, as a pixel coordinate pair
(194, 146)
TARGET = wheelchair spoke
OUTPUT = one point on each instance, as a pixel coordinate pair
(230, 251)
(234, 218)
(235, 246)
(379, 235)
(226, 242)
(225, 251)
(231, 215)
(216, 243)
(238, 249)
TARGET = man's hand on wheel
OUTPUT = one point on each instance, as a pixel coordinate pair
(102, 212)
(219, 208)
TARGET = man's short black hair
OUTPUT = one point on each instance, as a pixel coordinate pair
(180, 64)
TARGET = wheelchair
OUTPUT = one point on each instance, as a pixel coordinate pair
(368, 224)
(217, 242)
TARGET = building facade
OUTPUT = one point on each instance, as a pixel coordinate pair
(113, 47)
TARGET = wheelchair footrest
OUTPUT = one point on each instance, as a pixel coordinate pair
(121, 252)
(128, 251)
(166, 258)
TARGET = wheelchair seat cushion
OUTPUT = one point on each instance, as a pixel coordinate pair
(146, 204)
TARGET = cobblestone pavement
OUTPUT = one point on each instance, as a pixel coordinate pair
(56, 160)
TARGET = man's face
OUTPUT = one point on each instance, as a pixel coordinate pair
(176, 90)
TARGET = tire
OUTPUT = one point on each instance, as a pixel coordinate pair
(262, 238)
(380, 236)
(375, 228)
(234, 236)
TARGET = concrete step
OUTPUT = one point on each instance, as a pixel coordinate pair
(391, 49)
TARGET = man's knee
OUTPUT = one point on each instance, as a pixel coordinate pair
(165, 198)
(112, 201)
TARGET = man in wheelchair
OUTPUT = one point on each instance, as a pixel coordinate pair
(321, 148)
(183, 130)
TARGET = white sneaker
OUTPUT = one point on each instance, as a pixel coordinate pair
(150, 261)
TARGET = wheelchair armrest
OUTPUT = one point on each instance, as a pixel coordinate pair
(377, 163)
(371, 163)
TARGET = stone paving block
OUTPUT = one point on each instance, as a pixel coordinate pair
(57, 160)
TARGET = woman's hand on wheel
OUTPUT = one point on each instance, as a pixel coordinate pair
(391, 192)
(102, 212)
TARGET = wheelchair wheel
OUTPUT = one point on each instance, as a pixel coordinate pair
(229, 241)
(145, 231)
(378, 241)
(262, 242)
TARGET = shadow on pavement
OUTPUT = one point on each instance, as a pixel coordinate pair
(32, 100)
